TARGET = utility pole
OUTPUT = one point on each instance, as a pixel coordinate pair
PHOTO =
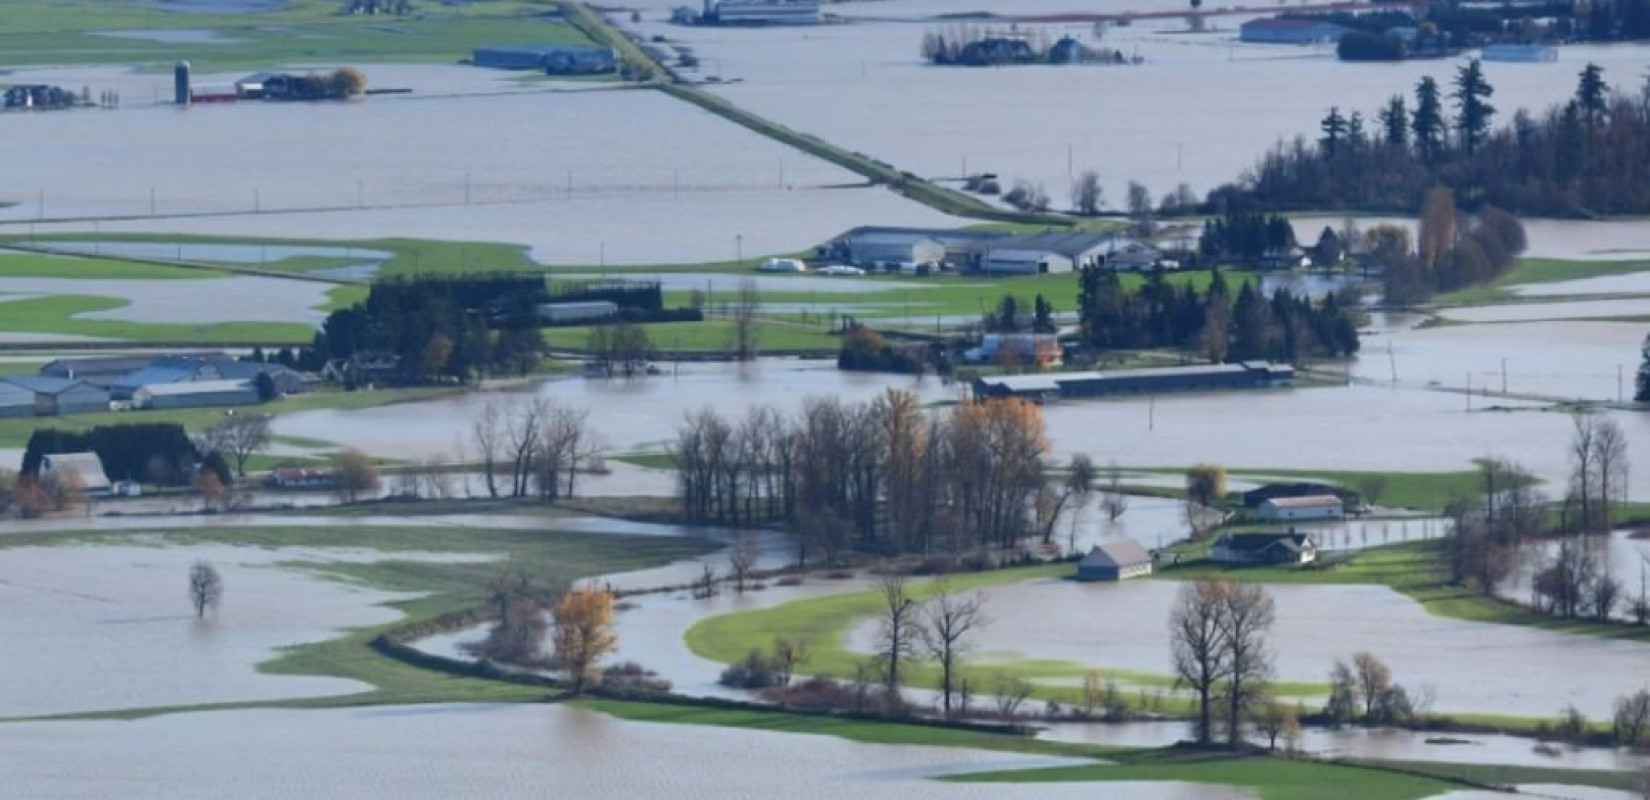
(1503, 376)
(466, 188)
(1469, 391)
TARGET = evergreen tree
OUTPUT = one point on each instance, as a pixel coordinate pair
(1427, 123)
(1642, 391)
(1334, 132)
(1473, 111)
(1394, 119)
(1592, 95)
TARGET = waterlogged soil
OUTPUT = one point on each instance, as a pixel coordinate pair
(1527, 312)
(1462, 666)
(110, 627)
(504, 752)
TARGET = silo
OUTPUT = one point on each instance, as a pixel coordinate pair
(180, 83)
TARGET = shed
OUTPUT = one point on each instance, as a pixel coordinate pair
(1115, 561)
(59, 396)
(15, 401)
(123, 387)
(1265, 548)
(568, 313)
(1290, 31)
(196, 394)
(1043, 253)
(1309, 507)
(87, 468)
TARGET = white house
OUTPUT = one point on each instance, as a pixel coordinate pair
(1265, 548)
(1310, 507)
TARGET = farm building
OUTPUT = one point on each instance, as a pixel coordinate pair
(872, 245)
(1042, 253)
(1254, 497)
(300, 478)
(95, 371)
(1115, 561)
(570, 313)
(1128, 255)
(1520, 53)
(1290, 31)
(553, 59)
(59, 396)
(86, 468)
(1286, 509)
(196, 394)
(15, 401)
(1248, 375)
(1041, 349)
(1265, 548)
(211, 367)
(761, 12)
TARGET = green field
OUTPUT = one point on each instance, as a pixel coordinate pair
(1419, 491)
(1536, 270)
(551, 558)
(31, 265)
(15, 432)
(58, 314)
(304, 32)
(407, 256)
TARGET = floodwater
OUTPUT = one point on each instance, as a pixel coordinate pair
(1569, 359)
(1621, 556)
(630, 177)
(1389, 744)
(1571, 240)
(207, 300)
(1633, 283)
(172, 36)
(212, 252)
(504, 752)
(1465, 666)
(1529, 312)
(109, 627)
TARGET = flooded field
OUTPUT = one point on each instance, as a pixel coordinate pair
(74, 613)
(504, 752)
(1530, 312)
(1570, 359)
(685, 186)
(1466, 667)
(232, 299)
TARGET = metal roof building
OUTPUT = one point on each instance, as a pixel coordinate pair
(1248, 375)
(196, 394)
(1115, 561)
(85, 467)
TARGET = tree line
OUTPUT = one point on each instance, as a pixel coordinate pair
(1587, 156)
(1452, 250)
(1221, 327)
(438, 327)
(885, 476)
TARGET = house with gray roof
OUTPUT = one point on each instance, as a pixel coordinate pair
(1115, 561)
(874, 245)
(84, 468)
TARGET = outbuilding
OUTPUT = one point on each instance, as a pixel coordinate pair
(84, 468)
(1309, 507)
(573, 313)
(1115, 561)
(196, 394)
(1290, 31)
(1043, 253)
(1265, 548)
(59, 396)
(15, 401)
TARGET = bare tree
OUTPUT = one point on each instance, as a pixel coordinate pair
(745, 330)
(898, 635)
(1198, 642)
(1583, 468)
(1053, 500)
(1632, 718)
(238, 436)
(488, 436)
(788, 656)
(1610, 456)
(1372, 678)
(353, 475)
(205, 588)
(1113, 500)
(742, 558)
(1274, 721)
(1087, 195)
(1246, 616)
(1011, 692)
(950, 619)
(524, 429)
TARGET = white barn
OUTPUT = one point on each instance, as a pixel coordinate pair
(1310, 507)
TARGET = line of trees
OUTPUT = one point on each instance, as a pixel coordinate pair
(1222, 328)
(150, 452)
(531, 446)
(1452, 250)
(1590, 155)
(439, 327)
(885, 476)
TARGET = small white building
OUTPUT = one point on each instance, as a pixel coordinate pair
(1115, 561)
(568, 313)
(1310, 507)
(86, 468)
(783, 265)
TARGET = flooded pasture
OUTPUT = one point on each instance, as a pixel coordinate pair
(78, 612)
(1568, 360)
(232, 299)
(505, 752)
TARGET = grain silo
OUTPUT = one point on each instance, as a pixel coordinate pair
(180, 83)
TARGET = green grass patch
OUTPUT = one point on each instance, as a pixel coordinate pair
(710, 335)
(1505, 775)
(33, 265)
(1536, 270)
(59, 314)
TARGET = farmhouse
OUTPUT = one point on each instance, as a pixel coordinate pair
(196, 394)
(553, 59)
(85, 468)
(1115, 561)
(1247, 375)
(1290, 31)
(1265, 548)
(1310, 507)
(1043, 253)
